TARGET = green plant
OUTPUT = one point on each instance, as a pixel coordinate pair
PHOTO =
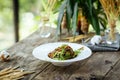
(89, 10)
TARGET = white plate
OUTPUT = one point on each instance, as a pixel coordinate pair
(41, 52)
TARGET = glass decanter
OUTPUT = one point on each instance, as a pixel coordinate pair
(45, 27)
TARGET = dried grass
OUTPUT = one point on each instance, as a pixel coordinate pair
(13, 74)
(111, 8)
(112, 11)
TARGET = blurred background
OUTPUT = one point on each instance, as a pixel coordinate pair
(29, 12)
(29, 17)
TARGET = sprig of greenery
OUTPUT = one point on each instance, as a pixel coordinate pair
(74, 18)
(60, 16)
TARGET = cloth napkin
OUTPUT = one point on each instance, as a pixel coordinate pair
(104, 47)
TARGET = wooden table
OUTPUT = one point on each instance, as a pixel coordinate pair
(100, 66)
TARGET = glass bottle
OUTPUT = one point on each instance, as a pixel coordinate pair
(45, 27)
(112, 33)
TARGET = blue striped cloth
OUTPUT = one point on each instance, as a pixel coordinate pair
(104, 47)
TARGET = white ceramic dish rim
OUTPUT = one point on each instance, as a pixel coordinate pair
(85, 53)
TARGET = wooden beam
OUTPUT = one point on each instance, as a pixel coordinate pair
(16, 19)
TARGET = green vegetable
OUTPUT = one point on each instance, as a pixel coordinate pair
(65, 52)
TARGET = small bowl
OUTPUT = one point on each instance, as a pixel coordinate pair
(41, 52)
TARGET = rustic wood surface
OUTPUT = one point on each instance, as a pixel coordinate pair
(99, 66)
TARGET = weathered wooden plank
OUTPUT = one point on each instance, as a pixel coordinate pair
(21, 54)
(26, 64)
(114, 73)
(97, 66)
(59, 73)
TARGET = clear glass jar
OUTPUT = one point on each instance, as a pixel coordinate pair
(111, 38)
(111, 34)
(45, 27)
